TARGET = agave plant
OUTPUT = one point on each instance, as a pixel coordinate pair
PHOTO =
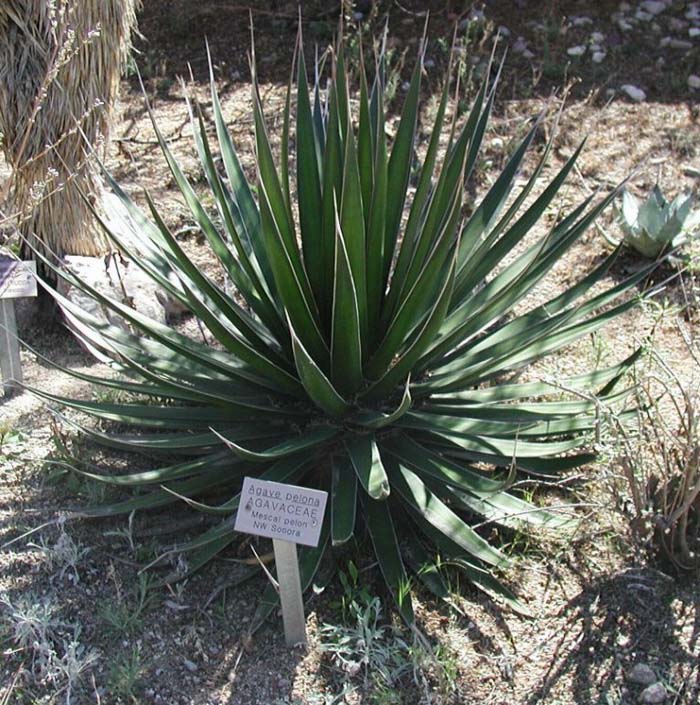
(657, 225)
(366, 345)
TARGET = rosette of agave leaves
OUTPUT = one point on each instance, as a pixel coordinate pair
(366, 343)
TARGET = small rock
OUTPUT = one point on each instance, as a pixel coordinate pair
(624, 7)
(579, 50)
(189, 665)
(653, 7)
(634, 93)
(527, 54)
(676, 24)
(664, 41)
(429, 63)
(358, 16)
(680, 44)
(520, 45)
(693, 81)
(597, 37)
(497, 143)
(503, 31)
(643, 16)
(693, 14)
(641, 674)
(598, 57)
(624, 25)
(654, 694)
(694, 32)
(581, 21)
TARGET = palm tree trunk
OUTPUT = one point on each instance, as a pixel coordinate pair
(60, 64)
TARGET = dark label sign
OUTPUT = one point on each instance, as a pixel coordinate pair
(17, 278)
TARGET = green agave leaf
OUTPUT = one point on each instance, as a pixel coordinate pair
(424, 565)
(310, 439)
(343, 498)
(244, 210)
(346, 337)
(377, 218)
(423, 192)
(421, 339)
(293, 290)
(376, 420)
(317, 385)
(426, 504)
(400, 167)
(308, 181)
(367, 463)
(386, 548)
(245, 276)
(454, 555)
(332, 180)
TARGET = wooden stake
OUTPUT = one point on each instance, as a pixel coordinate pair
(9, 348)
(290, 592)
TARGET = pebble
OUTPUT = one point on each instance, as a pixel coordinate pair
(653, 7)
(581, 21)
(579, 50)
(634, 93)
(676, 24)
(641, 674)
(624, 25)
(597, 37)
(694, 32)
(625, 7)
(680, 44)
(189, 665)
(654, 694)
(693, 81)
(527, 54)
(643, 16)
(429, 63)
(497, 143)
(520, 45)
(503, 31)
(598, 57)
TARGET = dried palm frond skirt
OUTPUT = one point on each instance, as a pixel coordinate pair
(60, 64)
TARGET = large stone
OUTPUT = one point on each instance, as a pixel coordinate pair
(115, 278)
(654, 694)
(641, 674)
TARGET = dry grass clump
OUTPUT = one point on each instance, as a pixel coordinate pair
(60, 63)
(661, 465)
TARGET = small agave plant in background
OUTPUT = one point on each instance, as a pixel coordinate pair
(367, 346)
(657, 226)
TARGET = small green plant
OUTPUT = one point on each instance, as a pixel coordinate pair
(63, 555)
(125, 675)
(366, 647)
(125, 614)
(55, 656)
(657, 226)
(371, 344)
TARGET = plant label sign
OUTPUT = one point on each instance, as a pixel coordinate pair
(278, 511)
(17, 279)
(288, 515)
